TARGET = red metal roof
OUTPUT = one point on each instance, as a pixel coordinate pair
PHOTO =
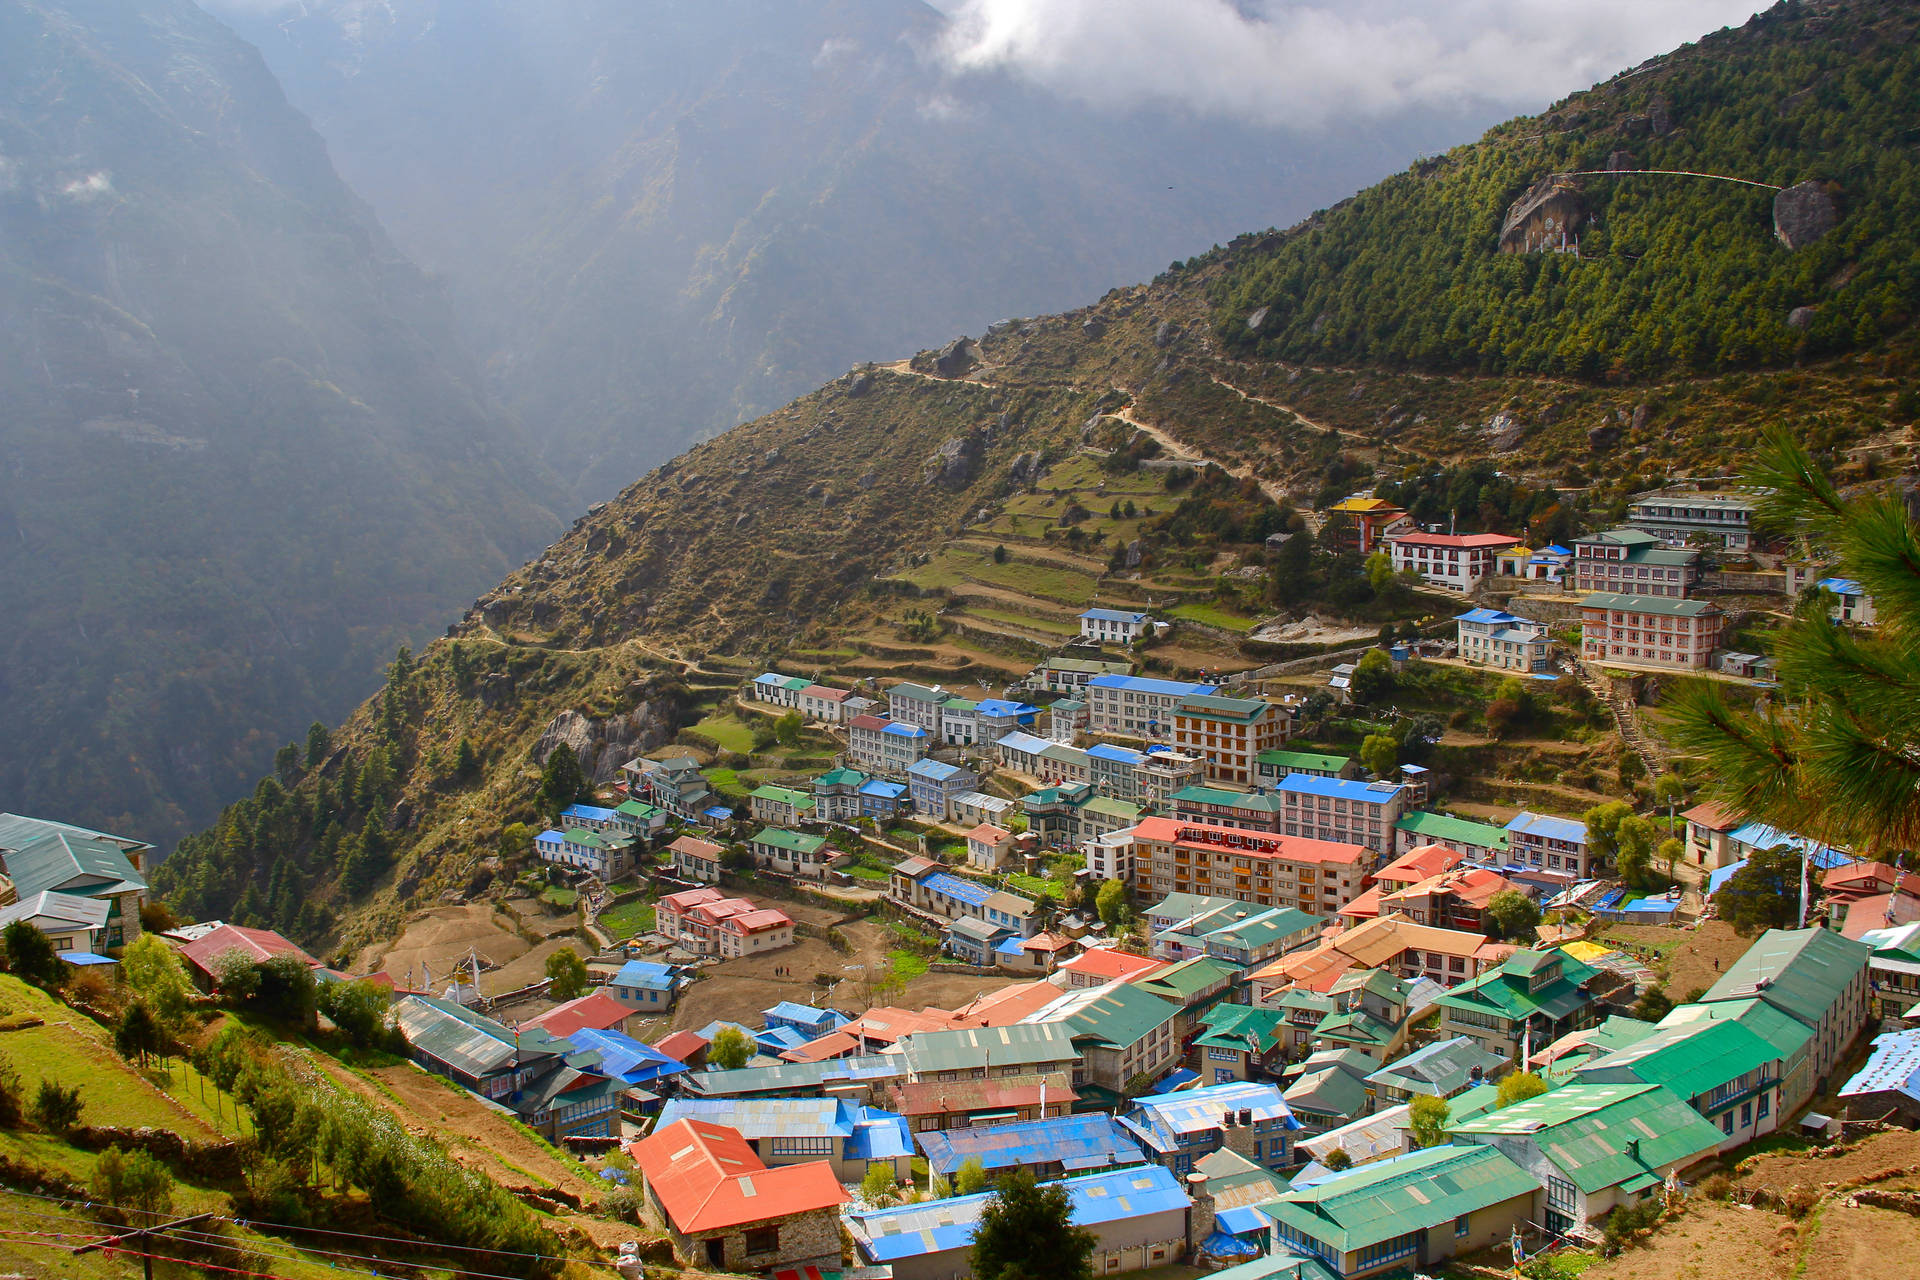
(595, 1011)
(1417, 863)
(681, 1046)
(1112, 963)
(708, 1179)
(1245, 843)
(255, 944)
(698, 848)
(1461, 541)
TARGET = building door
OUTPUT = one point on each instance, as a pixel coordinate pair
(717, 1253)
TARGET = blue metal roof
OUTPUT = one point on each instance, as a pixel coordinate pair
(1548, 828)
(804, 1015)
(644, 974)
(1758, 835)
(936, 770)
(901, 729)
(1091, 1141)
(1654, 906)
(716, 811)
(589, 812)
(1114, 615)
(1893, 1068)
(968, 891)
(1843, 586)
(778, 1040)
(625, 1058)
(879, 1135)
(940, 1226)
(1175, 1079)
(1338, 788)
(1121, 755)
(1147, 684)
(882, 788)
(1242, 1220)
(1488, 615)
(1011, 946)
(1002, 707)
(1162, 1119)
(551, 837)
(758, 1118)
(1026, 742)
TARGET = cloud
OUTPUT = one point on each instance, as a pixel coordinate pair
(1299, 63)
(835, 48)
(91, 187)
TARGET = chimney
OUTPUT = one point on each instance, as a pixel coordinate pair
(1200, 1214)
(1237, 1138)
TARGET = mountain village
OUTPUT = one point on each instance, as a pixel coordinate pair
(1299, 1021)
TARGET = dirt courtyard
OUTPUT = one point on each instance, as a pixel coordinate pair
(1692, 958)
(737, 990)
(438, 940)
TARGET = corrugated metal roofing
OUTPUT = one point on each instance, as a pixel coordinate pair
(1093, 1140)
(1021, 1044)
(1603, 1135)
(1690, 1059)
(1162, 1120)
(1339, 788)
(1894, 1067)
(758, 1118)
(793, 1075)
(1374, 1202)
(914, 1231)
(1547, 827)
(1803, 971)
(1147, 684)
(971, 892)
(1440, 1068)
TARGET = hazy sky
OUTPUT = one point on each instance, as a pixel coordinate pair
(1298, 63)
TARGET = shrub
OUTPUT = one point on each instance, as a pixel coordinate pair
(134, 1181)
(1626, 1221)
(13, 1101)
(55, 1108)
(30, 956)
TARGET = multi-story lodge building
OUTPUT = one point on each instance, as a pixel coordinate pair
(1646, 631)
(1455, 561)
(1137, 706)
(1230, 733)
(1344, 809)
(1634, 562)
(1724, 520)
(1505, 641)
(1317, 876)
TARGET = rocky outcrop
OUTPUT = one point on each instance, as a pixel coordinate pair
(1025, 468)
(1548, 217)
(602, 746)
(1803, 213)
(955, 360)
(954, 463)
(1503, 432)
(1800, 317)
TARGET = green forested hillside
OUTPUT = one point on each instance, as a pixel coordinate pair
(1674, 274)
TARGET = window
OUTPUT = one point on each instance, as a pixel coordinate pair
(1766, 1105)
(1460, 1227)
(763, 1240)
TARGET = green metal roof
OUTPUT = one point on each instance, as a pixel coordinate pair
(1503, 992)
(1303, 761)
(915, 692)
(1601, 1135)
(1239, 1026)
(1121, 1016)
(1258, 931)
(1190, 977)
(781, 838)
(1803, 971)
(1665, 605)
(1123, 809)
(1690, 1059)
(1470, 1103)
(959, 704)
(587, 839)
(1022, 1044)
(1186, 905)
(1780, 1029)
(782, 795)
(635, 809)
(1387, 1198)
(842, 777)
(1235, 799)
(1358, 1027)
(1441, 827)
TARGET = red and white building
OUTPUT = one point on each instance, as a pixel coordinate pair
(823, 702)
(1097, 966)
(723, 1209)
(1649, 631)
(1319, 877)
(208, 951)
(1456, 561)
(707, 922)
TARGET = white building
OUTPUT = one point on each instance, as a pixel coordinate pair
(1114, 626)
(1492, 638)
(1137, 706)
(1455, 561)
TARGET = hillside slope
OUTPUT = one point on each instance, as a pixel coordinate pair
(242, 457)
(817, 535)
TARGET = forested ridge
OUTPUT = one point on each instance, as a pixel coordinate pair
(1673, 274)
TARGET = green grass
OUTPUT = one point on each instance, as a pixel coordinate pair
(859, 872)
(628, 919)
(1052, 626)
(113, 1092)
(727, 732)
(562, 898)
(1212, 616)
(1032, 886)
(718, 778)
(907, 965)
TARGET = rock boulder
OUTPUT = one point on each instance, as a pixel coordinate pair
(1803, 213)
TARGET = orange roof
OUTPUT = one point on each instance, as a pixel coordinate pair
(1860, 878)
(1365, 506)
(1207, 837)
(1373, 944)
(1418, 863)
(1111, 964)
(987, 833)
(1712, 816)
(1008, 1005)
(880, 1026)
(707, 1178)
(1881, 911)
(1315, 969)
(1047, 942)
(1472, 885)
(595, 1011)
(1364, 907)
(932, 1097)
(681, 1046)
(758, 920)
(255, 944)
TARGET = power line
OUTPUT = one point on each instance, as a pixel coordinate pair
(1665, 173)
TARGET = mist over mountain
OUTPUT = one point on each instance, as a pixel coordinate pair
(241, 454)
(663, 218)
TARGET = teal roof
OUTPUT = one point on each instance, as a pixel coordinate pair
(1386, 1198)
(842, 777)
(782, 795)
(1780, 1029)
(1187, 979)
(41, 856)
(1471, 1103)
(1601, 1135)
(1121, 1016)
(1666, 606)
(1440, 827)
(1268, 803)
(1690, 1059)
(1022, 1044)
(1803, 971)
(1257, 931)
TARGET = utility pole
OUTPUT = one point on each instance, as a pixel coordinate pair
(143, 1237)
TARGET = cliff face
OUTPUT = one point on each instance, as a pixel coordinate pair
(243, 456)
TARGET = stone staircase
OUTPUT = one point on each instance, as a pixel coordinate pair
(1626, 718)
